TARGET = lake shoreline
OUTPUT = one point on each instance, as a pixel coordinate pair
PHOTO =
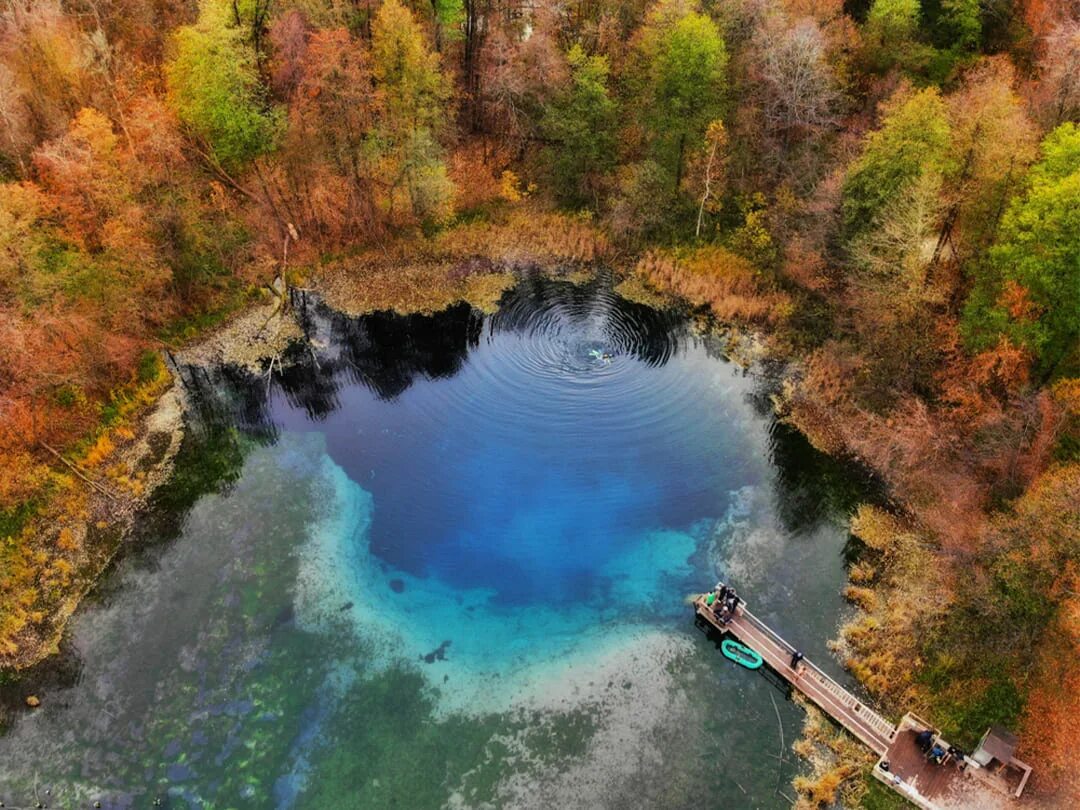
(257, 337)
(251, 339)
(149, 437)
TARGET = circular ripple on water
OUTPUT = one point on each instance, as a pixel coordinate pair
(569, 356)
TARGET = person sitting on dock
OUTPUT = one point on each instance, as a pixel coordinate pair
(937, 754)
(796, 659)
(728, 611)
(958, 757)
(925, 739)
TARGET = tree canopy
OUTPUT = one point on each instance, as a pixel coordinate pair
(1029, 290)
(413, 113)
(686, 61)
(913, 141)
(581, 123)
(215, 86)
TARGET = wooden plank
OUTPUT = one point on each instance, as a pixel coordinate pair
(1023, 781)
(905, 790)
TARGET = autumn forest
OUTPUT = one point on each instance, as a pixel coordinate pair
(886, 192)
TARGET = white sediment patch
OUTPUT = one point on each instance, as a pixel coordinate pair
(638, 715)
(480, 656)
(747, 541)
(542, 665)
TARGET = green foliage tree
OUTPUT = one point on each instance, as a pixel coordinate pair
(215, 89)
(913, 140)
(414, 96)
(414, 88)
(891, 209)
(581, 122)
(254, 17)
(960, 23)
(448, 17)
(1029, 289)
(686, 60)
(891, 37)
(893, 22)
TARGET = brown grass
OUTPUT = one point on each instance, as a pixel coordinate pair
(864, 598)
(715, 277)
(474, 262)
(527, 236)
(909, 594)
(836, 760)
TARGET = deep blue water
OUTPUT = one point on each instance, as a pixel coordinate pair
(443, 561)
(576, 423)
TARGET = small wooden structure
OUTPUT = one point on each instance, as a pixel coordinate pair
(996, 744)
(902, 765)
(995, 754)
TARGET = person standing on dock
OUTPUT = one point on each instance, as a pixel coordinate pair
(730, 605)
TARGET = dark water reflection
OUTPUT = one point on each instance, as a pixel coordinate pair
(386, 353)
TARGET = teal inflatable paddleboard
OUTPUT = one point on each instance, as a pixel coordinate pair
(741, 654)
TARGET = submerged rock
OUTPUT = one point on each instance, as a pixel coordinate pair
(438, 654)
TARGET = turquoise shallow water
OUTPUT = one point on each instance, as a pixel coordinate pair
(443, 562)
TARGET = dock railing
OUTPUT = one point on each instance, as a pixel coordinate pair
(886, 729)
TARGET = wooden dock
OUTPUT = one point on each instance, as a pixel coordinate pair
(849, 711)
(902, 765)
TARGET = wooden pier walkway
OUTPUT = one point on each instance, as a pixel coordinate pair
(849, 711)
(980, 780)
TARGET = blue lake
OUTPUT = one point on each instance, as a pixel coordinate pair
(444, 562)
